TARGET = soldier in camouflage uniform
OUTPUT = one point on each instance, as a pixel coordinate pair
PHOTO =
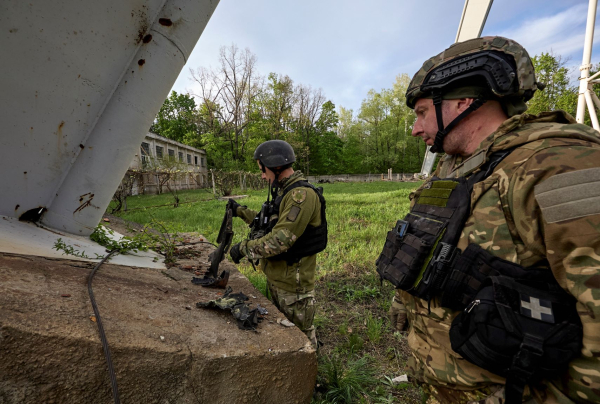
(539, 207)
(291, 284)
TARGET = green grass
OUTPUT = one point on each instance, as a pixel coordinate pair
(351, 318)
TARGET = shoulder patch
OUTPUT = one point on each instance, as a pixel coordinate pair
(569, 195)
(293, 213)
(298, 195)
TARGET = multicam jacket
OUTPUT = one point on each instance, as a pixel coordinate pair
(541, 206)
(299, 208)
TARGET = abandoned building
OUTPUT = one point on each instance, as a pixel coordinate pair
(159, 154)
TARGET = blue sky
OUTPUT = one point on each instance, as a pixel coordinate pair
(347, 47)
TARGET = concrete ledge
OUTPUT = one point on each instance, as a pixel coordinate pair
(51, 350)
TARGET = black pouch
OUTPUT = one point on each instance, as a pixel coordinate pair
(523, 330)
(473, 267)
(403, 257)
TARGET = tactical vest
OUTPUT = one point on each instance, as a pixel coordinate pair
(516, 322)
(312, 241)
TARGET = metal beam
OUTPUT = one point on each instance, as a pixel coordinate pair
(585, 81)
(472, 21)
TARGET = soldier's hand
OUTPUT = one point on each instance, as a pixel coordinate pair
(397, 316)
(234, 205)
(235, 253)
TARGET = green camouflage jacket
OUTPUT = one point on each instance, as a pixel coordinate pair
(299, 208)
(541, 205)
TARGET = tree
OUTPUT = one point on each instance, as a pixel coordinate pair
(558, 93)
(176, 118)
(326, 145)
(228, 95)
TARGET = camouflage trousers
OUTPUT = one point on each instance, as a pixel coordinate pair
(486, 395)
(299, 308)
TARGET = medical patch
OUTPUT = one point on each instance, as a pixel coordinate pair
(539, 309)
(293, 213)
(569, 195)
(299, 195)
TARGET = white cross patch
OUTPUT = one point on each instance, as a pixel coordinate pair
(537, 308)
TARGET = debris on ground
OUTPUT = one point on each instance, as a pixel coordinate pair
(211, 282)
(285, 322)
(246, 319)
(400, 379)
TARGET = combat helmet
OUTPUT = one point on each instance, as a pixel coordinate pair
(274, 153)
(482, 68)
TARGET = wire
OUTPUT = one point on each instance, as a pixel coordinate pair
(111, 371)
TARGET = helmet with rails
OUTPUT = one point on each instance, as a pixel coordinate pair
(488, 68)
(275, 153)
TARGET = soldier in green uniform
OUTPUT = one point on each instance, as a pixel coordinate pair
(287, 234)
(539, 207)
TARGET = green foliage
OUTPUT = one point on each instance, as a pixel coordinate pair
(67, 249)
(346, 383)
(375, 327)
(351, 293)
(163, 238)
(177, 118)
(558, 93)
(106, 238)
(256, 278)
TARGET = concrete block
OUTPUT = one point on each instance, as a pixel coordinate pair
(162, 351)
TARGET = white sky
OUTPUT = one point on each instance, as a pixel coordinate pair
(346, 47)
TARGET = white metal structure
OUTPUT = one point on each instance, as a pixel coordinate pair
(471, 25)
(587, 97)
(81, 83)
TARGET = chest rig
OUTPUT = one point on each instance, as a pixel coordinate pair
(515, 322)
(420, 251)
(312, 241)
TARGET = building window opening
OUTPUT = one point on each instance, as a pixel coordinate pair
(189, 159)
(159, 152)
(145, 153)
(180, 154)
(195, 160)
(171, 154)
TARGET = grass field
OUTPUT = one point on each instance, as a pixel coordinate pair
(360, 354)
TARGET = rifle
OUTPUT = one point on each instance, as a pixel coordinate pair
(224, 239)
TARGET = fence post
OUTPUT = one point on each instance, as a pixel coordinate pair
(213, 182)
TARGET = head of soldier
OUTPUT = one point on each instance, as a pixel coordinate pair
(275, 159)
(462, 95)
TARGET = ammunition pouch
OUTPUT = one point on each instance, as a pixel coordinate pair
(521, 329)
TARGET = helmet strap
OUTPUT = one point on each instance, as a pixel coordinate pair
(438, 143)
(274, 186)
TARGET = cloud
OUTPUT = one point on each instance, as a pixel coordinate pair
(347, 47)
(562, 33)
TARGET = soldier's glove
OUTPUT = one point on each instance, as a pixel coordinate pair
(235, 253)
(397, 315)
(234, 205)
